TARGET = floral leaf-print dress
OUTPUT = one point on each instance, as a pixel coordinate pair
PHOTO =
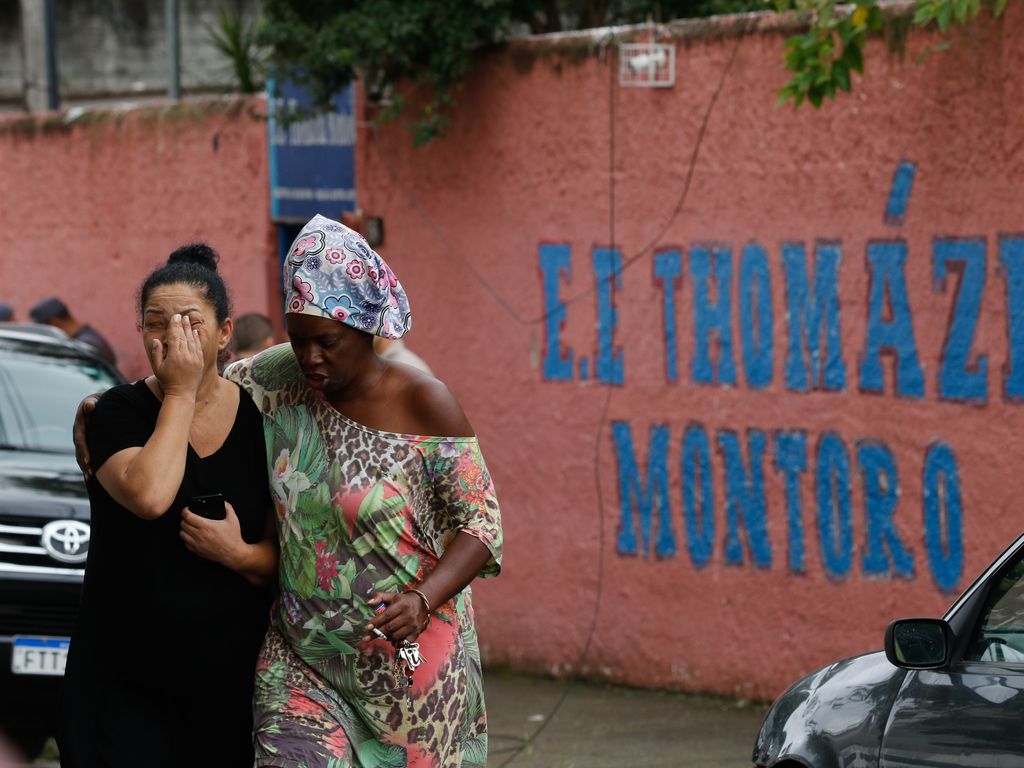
(359, 511)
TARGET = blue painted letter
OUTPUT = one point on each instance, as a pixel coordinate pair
(791, 462)
(899, 193)
(745, 499)
(700, 523)
(756, 315)
(608, 275)
(1011, 257)
(881, 497)
(959, 378)
(631, 491)
(555, 259)
(886, 261)
(943, 522)
(810, 316)
(668, 269)
(708, 317)
(835, 530)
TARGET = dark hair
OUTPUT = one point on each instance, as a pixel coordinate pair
(251, 329)
(49, 309)
(194, 264)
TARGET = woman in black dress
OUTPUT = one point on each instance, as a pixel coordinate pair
(175, 605)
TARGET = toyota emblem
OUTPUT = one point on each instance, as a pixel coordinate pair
(66, 540)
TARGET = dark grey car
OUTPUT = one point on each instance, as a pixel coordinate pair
(944, 692)
(44, 520)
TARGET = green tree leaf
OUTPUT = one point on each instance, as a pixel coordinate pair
(234, 37)
(841, 71)
(925, 13)
(944, 14)
(854, 56)
(413, 55)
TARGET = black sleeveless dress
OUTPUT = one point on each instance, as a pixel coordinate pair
(160, 669)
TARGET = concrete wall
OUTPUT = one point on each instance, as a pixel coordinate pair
(698, 490)
(89, 208)
(109, 47)
(11, 63)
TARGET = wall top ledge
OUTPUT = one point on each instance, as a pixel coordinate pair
(708, 28)
(196, 109)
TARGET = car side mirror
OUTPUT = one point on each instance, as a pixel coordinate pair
(918, 643)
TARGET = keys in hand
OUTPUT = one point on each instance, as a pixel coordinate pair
(406, 661)
(410, 654)
(407, 656)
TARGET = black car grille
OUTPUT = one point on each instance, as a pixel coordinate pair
(41, 607)
(21, 548)
(39, 594)
(38, 619)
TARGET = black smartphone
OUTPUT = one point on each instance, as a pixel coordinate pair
(210, 506)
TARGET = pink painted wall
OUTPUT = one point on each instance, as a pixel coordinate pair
(526, 164)
(88, 209)
(92, 207)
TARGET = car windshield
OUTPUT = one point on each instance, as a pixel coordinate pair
(999, 636)
(39, 396)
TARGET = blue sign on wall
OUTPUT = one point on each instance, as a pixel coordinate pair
(312, 162)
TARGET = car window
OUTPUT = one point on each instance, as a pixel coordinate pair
(39, 396)
(999, 636)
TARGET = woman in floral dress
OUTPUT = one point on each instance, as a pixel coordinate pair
(383, 501)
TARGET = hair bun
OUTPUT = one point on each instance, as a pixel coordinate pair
(199, 254)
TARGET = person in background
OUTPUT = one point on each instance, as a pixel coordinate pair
(175, 601)
(6, 313)
(53, 311)
(253, 333)
(396, 351)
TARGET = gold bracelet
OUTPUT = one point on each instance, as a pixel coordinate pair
(426, 603)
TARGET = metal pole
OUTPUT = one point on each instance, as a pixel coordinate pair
(173, 50)
(50, 41)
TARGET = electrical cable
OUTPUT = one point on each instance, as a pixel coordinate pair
(626, 263)
(599, 589)
(479, 277)
(452, 250)
(684, 194)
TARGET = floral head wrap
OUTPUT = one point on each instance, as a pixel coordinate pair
(331, 271)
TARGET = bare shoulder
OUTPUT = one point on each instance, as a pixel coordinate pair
(434, 408)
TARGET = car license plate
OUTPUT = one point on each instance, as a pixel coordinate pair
(39, 655)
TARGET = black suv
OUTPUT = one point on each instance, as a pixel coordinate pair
(44, 520)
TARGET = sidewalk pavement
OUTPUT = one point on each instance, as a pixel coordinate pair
(537, 722)
(541, 723)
